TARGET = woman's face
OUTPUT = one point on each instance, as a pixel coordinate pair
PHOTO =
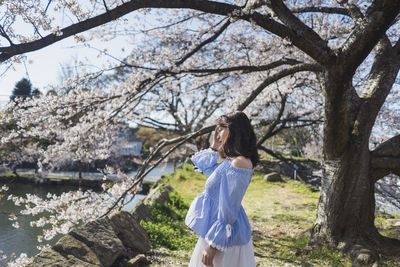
(223, 133)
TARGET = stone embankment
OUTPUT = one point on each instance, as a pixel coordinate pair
(118, 240)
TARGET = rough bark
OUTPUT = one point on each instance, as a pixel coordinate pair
(385, 159)
(346, 210)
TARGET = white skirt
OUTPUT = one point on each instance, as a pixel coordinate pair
(237, 256)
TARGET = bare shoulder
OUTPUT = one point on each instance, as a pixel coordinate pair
(242, 162)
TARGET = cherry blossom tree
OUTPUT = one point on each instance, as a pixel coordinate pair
(349, 49)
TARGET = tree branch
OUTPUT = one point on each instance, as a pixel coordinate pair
(143, 171)
(389, 148)
(105, 5)
(172, 24)
(205, 42)
(212, 7)
(273, 78)
(271, 126)
(385, 158)
(5, 35)
(310, 37)
(280, 157)
(389, 163)
(275, 154)
(389, 194)
(243, 68)
(321, 9)
(383, 166)
(367, 33)
(380, 81)
(157, 124)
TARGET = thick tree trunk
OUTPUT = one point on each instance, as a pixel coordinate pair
(346, 209)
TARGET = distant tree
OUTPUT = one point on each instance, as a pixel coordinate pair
(36, 92)
(150, 136)
(51, 92)
(23, 89)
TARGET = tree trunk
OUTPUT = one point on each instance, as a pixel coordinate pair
(346, 209)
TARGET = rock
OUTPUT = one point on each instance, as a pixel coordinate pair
(100, 237)
(270, 166)
(51, 258)
(139, 261)
(141, 211)
(364, 259)
(107, 241)
(273, 177)
(268, 170)
(157, 195)
(130, 232)
(69, 245)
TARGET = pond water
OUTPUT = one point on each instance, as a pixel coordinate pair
(23, 239)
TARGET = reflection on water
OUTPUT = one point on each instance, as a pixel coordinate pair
(154, 175)
(23, 239)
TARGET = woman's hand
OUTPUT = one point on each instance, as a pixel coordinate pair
(208, 256)
(216, 143)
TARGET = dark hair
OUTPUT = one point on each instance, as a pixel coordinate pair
(241, 140)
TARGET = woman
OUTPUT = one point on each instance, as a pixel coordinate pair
(216, 215)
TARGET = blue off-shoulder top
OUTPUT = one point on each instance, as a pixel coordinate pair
(217, 214)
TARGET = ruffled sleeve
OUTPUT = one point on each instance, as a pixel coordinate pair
(232, 189)
(205, 160)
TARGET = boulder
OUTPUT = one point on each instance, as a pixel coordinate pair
(100, 237)
(51, 258)
(159, 194)
(139, 261)
(69, 245)
(268, 170)
(273, 177)
(106, 241)
(130, 232)
(141, 211)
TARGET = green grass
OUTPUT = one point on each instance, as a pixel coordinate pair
(281, 215)
(11, 175)
(265, 156)
(186, 181)
(385, 222)
(166, 228)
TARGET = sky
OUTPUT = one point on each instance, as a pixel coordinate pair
(43, 67)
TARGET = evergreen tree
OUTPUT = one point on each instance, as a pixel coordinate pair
(22, 89)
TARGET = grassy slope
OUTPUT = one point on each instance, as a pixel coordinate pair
(280, 214)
